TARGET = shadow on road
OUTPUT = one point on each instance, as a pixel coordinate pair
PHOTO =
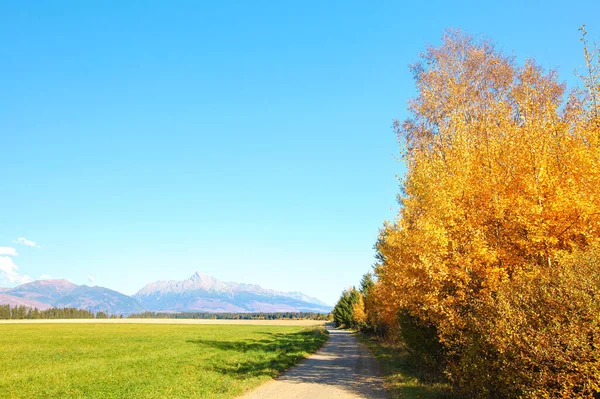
(342, 368)
(342, 363)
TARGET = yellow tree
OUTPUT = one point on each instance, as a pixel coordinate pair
(359, 315)
(502, 177)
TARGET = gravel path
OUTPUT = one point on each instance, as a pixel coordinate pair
(342, 368)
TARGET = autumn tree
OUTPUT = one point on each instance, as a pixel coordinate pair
(502, 181)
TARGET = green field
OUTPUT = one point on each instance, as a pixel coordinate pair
(145, 360)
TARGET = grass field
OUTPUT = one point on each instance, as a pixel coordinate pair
(146, 360)
(168, 321)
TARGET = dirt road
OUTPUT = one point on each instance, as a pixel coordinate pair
(342, 369)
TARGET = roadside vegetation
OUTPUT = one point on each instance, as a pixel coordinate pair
(146, 361)
(488, 280)
(404, 378)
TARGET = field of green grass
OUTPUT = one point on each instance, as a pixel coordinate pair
(146, 360)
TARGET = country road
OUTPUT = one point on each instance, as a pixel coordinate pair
(342, 369)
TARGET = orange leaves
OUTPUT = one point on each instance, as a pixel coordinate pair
(358, 311)
(493, 168)
(503, 179)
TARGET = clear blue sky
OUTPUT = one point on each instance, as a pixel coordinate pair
(249, 140)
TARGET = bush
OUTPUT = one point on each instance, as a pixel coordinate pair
(538, 336)
(421, 340)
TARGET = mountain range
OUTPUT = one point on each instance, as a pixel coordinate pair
(199, 293)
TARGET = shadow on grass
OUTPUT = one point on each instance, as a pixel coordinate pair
(404, 378)
(269, 356)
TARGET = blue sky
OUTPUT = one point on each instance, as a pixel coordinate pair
(251, 141)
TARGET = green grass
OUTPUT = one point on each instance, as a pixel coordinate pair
(402, 379)
(146, 360)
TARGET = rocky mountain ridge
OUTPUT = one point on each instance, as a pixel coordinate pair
(203, 293)
(199, 293)
(203, 282)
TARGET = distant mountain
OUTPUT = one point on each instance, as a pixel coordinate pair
(44, 294)
(199, 293)
(205, 293)
(46, 291)
(99, 299)
(302, 297)
(15, 301)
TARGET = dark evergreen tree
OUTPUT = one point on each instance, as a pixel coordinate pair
(343, 310)
(4, 312)
(366, 283)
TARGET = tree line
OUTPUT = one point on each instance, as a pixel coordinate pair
(21, 312)
(490, 273)
(25, 312)
(232, 316)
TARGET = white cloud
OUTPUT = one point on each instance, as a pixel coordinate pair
(92, 279)
(45, 276)
(8, 251)
(10, 272)
(26, 242)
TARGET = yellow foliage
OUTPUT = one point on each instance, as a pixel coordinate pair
(539, 335)
(503, 178)
(359, 314)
